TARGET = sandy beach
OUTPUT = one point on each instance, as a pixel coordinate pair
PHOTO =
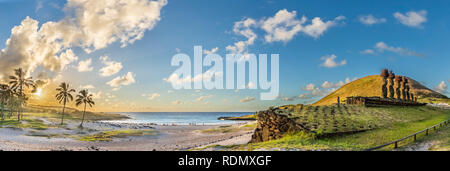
(166, 138)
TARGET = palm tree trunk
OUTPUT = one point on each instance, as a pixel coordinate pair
(3, 114)
(62, 117)
(84, 112)
(18, 114)
(19, 111)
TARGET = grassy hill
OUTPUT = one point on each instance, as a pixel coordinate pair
(71, 113)
(371, 86)
(350, 127)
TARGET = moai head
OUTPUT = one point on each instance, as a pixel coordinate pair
(398, 78)
(391, 75)
(384, 73)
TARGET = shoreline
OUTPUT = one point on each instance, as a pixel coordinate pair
(69, 137)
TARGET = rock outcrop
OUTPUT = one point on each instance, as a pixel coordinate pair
(272, 125)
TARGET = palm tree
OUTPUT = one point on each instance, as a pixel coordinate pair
(5, 94)
(19, 82)
(64, 95)
(84, 98)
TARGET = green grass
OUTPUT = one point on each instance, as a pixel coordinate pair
(246, 117)
(34, 119)
(434, 100)
(326, 120)
(71, 113)
(231, 128)
(438, 140)
(25, 123)
(47, 135)
(109, 135)
(389, 124)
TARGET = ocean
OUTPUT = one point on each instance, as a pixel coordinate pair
(181, 118)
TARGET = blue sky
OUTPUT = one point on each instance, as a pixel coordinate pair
(409, 37)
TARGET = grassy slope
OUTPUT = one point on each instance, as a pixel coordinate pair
(231, 128)
(241, 118)
(371, 86)
(438, 140)
(70, 113)
(399, 122)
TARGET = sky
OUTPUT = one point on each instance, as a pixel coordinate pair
(122, 51)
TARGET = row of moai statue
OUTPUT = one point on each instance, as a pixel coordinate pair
(403, 86)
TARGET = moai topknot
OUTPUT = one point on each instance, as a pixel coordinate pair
(385, 75)
(391, 84)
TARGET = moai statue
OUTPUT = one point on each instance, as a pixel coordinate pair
(399, 80)
(412, 97)
(408, 97)
(405, 81)
(385, 75)
(338, 101)
(391, 84)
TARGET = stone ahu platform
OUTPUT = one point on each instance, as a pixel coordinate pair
(272, 125)
(377, 101)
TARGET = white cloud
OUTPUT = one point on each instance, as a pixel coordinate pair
(97, 95)
(251, 85)
(152, 96)
(85, 66)
(329, 61)
(441, 88)
(90, 25)
(368, 51)
(122, 81)
(207, 52)
(247, 99)
(303, 96)
(177, 102)
(208, 75)
(87, 86)
(347, 80)
(111, 68)
(39, 6)
(328, 84)
(285, 25)
(243, 28)
(310, 87)
(381, 47)
(315, 91)
(282, 27)
(326, 88)
(284, 98)
(370, 20)
(412, 18)
(318, 27)
(201, 98)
